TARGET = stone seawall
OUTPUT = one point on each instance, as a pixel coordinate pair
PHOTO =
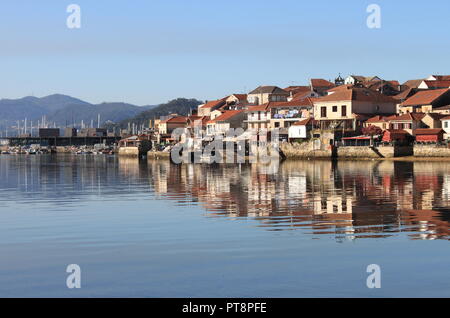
(305, 149)
(374, 152)
(62, 150)
(357, 152)
(129, 151)
(158, 154)
(431, 151)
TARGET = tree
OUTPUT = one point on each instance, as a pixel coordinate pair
(180, 106)
(372, 131)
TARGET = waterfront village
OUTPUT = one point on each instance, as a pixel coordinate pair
(352, 117)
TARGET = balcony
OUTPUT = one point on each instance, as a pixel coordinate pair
(257, 120)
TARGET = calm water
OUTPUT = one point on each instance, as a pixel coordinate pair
(302, 229)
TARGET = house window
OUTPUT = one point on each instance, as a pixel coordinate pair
(445, 124)
(344, 111)
(277, 124)
(334, 109)
(323, 112)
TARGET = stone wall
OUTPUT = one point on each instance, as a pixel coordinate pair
(158, 154)
(377, 152)
(307, 149)
(62, 150)
(129, 151)
(357, 152)
(431, 151)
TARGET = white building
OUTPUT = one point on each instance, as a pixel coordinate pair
(300, 129)
(446, 126)
(355, 79)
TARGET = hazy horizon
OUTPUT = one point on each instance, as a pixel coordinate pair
(149, 53)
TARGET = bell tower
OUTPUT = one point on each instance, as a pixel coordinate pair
(339, 80)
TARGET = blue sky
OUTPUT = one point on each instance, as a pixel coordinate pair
(148, 52)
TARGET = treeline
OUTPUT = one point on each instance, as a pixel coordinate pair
(181, 106)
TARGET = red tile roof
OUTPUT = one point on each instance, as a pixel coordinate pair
(427, 131)
(226, 116)
(397, 131)
(424, 97)
(177, 119)
(269, 90)
(298, 89)
(194, 120)
(378, 85)
(293, 103)
(405, 94)
(406, 117)
(214, 103)
(438, 84)
(339, 88)
(305, 122)
(377, 119)
(442, 77)
(413, 83)
(394, 83)
(263, 107)
(241, 97)
(350, 93)
(319, 82)
(300, 95)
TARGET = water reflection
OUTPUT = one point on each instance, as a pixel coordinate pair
(345, 200)
(342, 200)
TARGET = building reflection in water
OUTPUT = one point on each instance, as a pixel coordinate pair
(345, 199)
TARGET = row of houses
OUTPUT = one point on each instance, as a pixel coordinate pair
(414, 108)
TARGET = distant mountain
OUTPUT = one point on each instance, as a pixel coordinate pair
(180, 106)
(12, 110)
(57, 101)
(114, 112)
(63, 109)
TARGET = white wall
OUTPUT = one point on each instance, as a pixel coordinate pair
(296, 131)
(349, 80)
(446, 129)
